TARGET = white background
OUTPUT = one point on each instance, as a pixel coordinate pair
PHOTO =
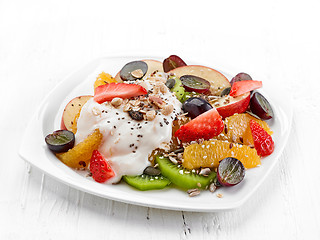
(43, 41)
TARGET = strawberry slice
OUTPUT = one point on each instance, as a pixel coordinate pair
(100, 168)
(109, 91)
(242, 87)
(263, 142)
(206, 126)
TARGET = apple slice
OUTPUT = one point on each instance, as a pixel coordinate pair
(153, 65)
(217, 80)
(71, 110)
(227, 105)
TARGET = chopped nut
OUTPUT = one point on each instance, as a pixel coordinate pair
(167, 109)
(156, 100)
(138, 73)
(219, 195)
(96, 111)
(127, 107)
(172, 159)
(212, 187)
(163, 88)
(205, 171)
(116, 102)
(150, 115)
(193, 192)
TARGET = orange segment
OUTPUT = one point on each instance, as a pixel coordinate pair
(79, 156)
(102, 79)
(237, 129)
(75, 121)
(209, 153)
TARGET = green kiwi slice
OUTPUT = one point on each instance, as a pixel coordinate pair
(178, 89)
(182, 177)
(146, 182)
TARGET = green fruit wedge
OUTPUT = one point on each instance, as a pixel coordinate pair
(146, 182)
(183, 177)
(178, 89)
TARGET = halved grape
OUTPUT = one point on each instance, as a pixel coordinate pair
(151, 171)
(60, 141)
(260, 106)
(133, 71)
(170, 83)
(230, 172)
(195, 84)
(225, 91)
(195, 106)
(173, 62)
(239, 77)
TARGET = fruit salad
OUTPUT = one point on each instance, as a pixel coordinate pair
(156, 124)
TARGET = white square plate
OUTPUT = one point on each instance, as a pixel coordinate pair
(47, 119)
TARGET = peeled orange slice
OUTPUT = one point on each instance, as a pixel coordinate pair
(237, 129)
(79, 156)
(102, 79)
(209, 153)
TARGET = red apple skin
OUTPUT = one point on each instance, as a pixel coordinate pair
(62, 125)
(235, 107)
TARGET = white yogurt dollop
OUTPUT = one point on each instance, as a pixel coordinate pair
(127, 143)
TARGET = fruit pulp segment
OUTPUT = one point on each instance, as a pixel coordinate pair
(79, 156)
(237, 129)
(209, 153)
(102, 79)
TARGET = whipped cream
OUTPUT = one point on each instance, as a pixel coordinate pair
(128, 143)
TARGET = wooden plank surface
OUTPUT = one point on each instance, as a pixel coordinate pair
(43, 41)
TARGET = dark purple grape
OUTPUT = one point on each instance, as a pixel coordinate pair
(239, 77)
(172, 62)
(260, 106)
(151, 171)
(230, 172)
(60, 141)
(195, 84)
(225, 91)
(133, 71)
(170, 83)
(195, 106)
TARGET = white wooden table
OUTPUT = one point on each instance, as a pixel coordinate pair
(43, 41)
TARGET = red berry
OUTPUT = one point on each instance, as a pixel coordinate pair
(244, 86)
(206, 126)
(263, 142)
(109, 91)
(100, 168)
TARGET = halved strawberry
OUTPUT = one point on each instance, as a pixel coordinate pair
(206, 126)
(100, 168)
(242, 87)
(122, 90)
(263, 142)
